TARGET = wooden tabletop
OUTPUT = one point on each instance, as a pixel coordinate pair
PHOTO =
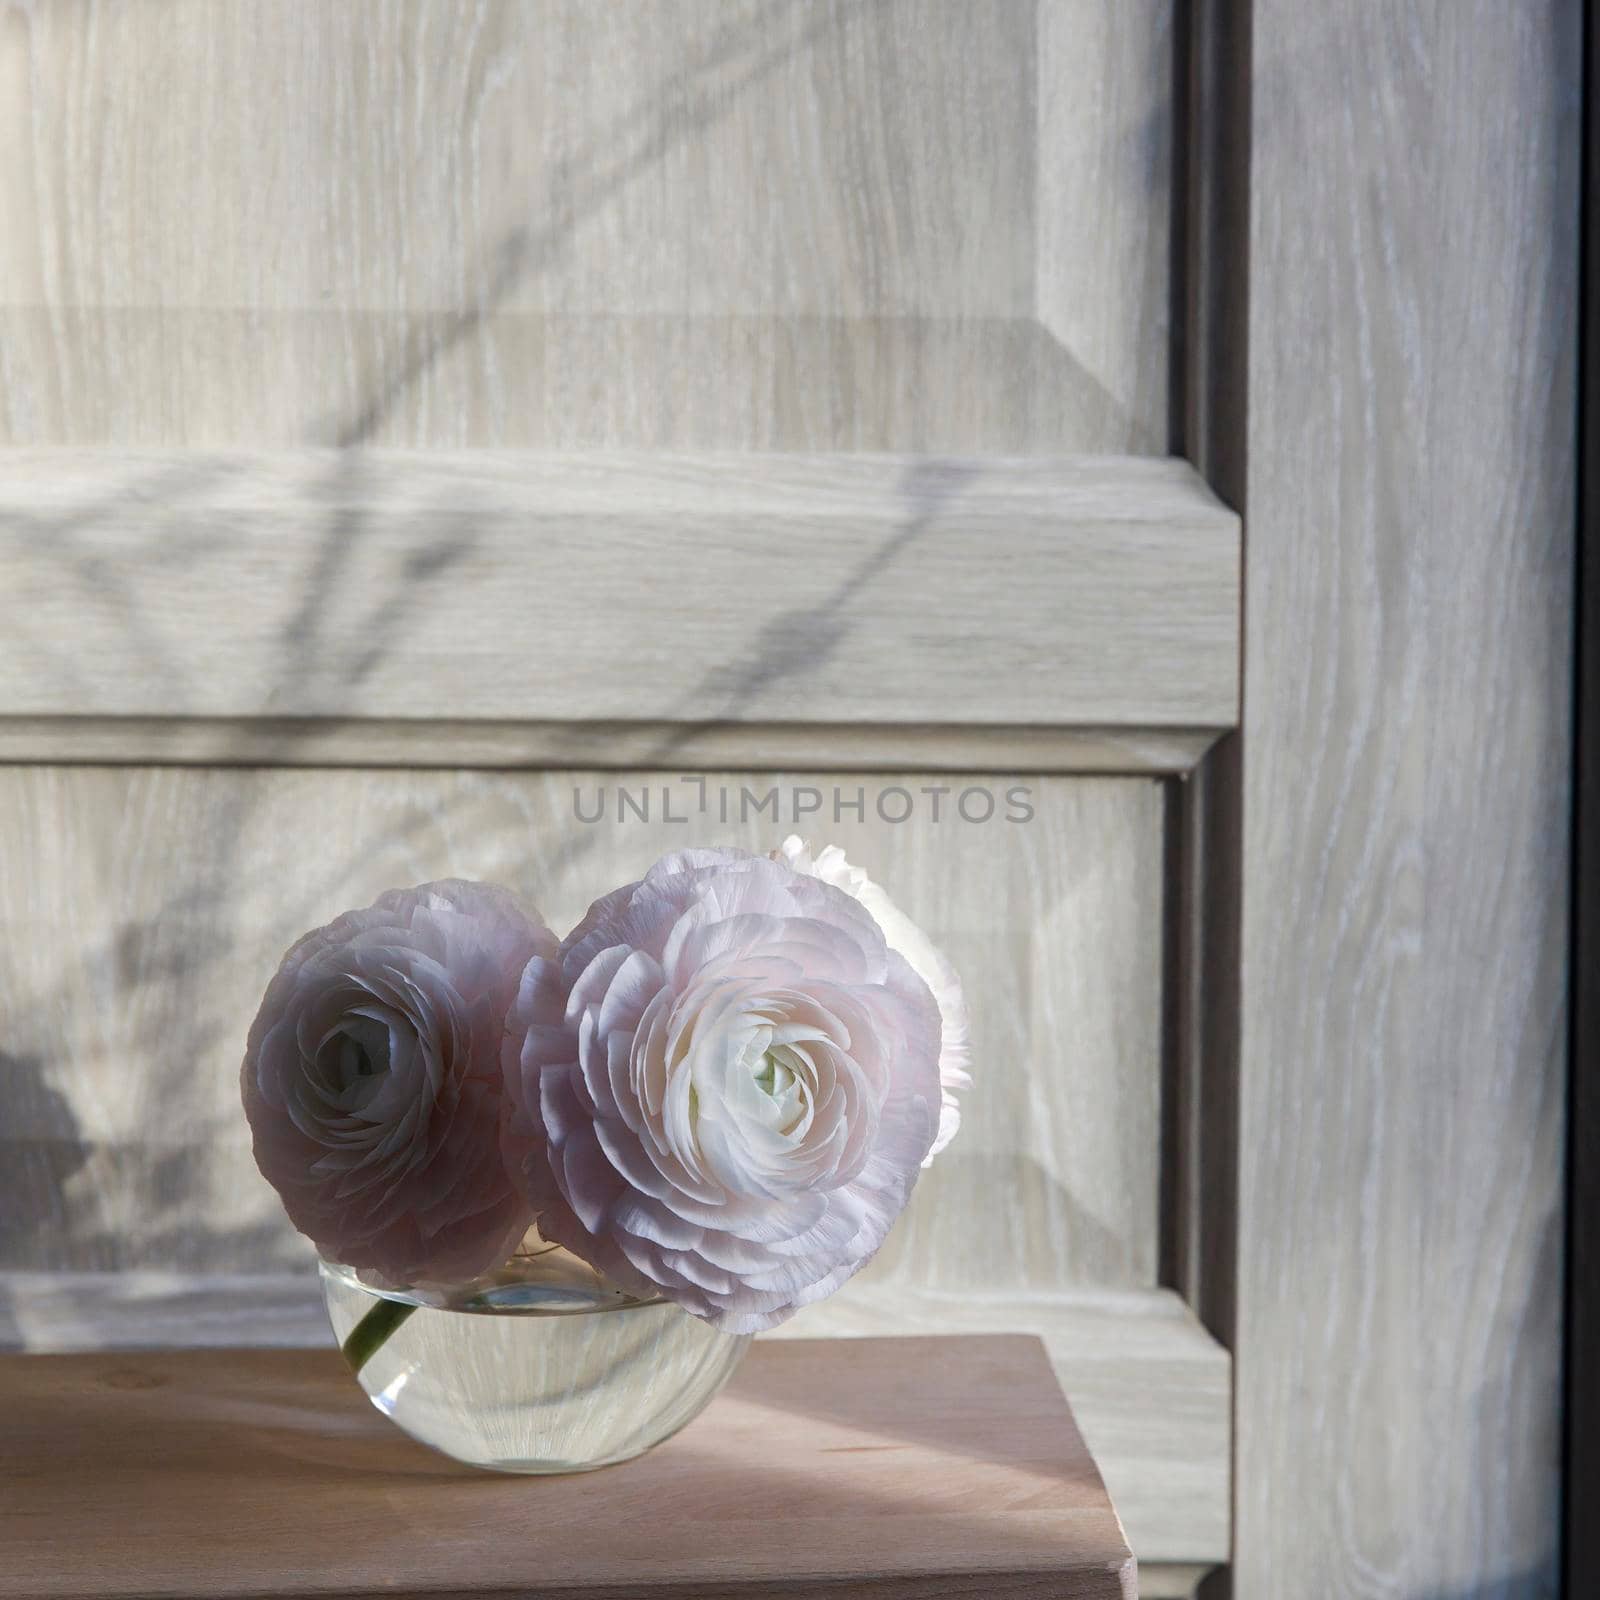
(847, 1467)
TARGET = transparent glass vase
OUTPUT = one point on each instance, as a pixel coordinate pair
(540, 1366)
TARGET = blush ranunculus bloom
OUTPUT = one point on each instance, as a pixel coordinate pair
(373, 1086)
(927, 960)
(723, 1086)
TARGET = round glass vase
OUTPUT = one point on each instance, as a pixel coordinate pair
(540, 1366)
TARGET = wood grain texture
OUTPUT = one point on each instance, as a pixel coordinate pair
(1407, 701)
(156, 903)
(655, 589)
(903, 1468)
(930, 225)
(1148, 1386)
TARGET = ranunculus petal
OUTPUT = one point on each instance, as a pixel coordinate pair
(742, 1089)
(373, 1084)
(926, 959)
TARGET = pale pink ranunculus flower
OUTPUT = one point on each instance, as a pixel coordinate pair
(372, 1082)
(927, 960)
(723, 1087)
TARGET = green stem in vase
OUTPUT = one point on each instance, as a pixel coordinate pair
(373, 1330)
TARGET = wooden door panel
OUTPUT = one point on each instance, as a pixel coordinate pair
(773, 224)
(669, 231)
(158, 900)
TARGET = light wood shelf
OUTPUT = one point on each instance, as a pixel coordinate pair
(853, 1468)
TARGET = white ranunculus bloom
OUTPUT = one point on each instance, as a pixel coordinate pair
(723, 1086)
(927, 960)
(372, 1082)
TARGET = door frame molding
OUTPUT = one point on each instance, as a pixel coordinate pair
(1397, 393)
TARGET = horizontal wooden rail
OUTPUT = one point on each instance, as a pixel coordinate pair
(524, 609)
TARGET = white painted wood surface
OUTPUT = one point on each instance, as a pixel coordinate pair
(1410, 472)
(628, 588)
(1148, 1385)
(924, 225)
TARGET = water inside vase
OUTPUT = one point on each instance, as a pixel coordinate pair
(541, 1366)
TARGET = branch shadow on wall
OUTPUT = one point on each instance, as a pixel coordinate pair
(336, 638)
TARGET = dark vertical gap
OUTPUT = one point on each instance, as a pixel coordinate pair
(1581, 1474)
(1216, 306)
(1204, 813)
(1210, 221)
(1179, 225)
(1176, 1258)
(1179, 1026)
